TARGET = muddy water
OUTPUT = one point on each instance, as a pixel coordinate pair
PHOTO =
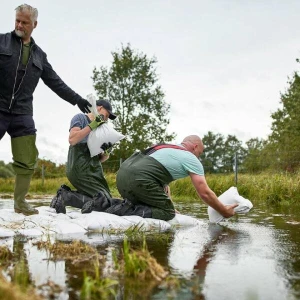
(255, 256)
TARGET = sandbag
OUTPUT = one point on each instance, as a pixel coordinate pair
(103, 134)
(231, 196)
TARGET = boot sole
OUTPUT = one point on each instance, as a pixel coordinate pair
(26, 213)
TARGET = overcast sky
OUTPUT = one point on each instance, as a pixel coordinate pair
(222, 63)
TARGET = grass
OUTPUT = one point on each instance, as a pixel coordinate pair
(12, 291)
(95, 287)
(49, 186)
(129, 270)
(20, 286)
(139, 264)
(270, 188)
(76, 250)
(283, 188)
(5, 255)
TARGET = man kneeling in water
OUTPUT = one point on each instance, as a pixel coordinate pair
(143, 177)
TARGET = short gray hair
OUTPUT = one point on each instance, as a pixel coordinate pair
(32, 10)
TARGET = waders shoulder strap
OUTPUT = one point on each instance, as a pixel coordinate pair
(154, 148)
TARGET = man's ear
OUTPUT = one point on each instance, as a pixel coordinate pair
(35, 24)
(189, 146)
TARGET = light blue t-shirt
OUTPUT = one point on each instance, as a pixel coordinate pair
(81, 121)
(178, 162)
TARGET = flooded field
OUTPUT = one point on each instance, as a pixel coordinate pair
(254, 256)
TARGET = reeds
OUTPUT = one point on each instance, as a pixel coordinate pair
(96, 287)
(276, 189)
(273, 188)
(20, 286)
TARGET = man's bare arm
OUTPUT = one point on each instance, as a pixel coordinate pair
(210, 198)
(77, 134)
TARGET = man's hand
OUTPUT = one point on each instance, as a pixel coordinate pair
(99, 120)
(107, 148)
(229, 210)
(84, 105)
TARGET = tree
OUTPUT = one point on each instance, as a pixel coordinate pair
(219, 153)
(50, 168)
(131, 85)
(213, 152)
(285, 136)
(233, 149)
(257, 158)
(6, 170)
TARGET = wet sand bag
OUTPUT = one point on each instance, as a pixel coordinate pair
(231, 196)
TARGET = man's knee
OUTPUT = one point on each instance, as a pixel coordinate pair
(161, 214)
(25, 154)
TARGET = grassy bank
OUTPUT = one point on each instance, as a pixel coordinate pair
(272, 188)
(49, 186)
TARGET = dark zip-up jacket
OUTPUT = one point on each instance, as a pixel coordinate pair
(16, 93)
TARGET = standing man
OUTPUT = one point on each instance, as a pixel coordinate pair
(22, 64)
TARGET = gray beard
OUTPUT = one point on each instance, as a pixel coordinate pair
(19, 33)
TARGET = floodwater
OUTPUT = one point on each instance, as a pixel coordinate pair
(252, 256)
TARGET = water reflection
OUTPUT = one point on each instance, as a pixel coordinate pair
(255, 256)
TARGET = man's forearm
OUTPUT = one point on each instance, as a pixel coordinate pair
(58, 86)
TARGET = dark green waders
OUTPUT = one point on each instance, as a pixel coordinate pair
(141, 180)
(85, 172)
(25, 156)
(86, 175)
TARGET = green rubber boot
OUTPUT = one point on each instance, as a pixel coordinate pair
(21, 189)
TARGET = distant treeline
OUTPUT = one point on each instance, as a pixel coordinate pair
(50, 169)
(279, 152)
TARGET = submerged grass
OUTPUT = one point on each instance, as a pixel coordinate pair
(139, 264)
(96, 287)
(76, 250)
(5, 255)
(20, 286)
(130, 271)
(12, 291)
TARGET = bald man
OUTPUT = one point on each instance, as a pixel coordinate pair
(143, 180)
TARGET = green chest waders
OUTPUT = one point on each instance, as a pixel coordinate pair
(85, 172)
(141, 179)
(25, 156)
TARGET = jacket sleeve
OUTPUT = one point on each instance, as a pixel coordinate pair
(57, 85)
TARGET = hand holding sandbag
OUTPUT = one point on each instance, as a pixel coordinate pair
(99, 120)
(104, 134)
(84, 105)
(107, 148)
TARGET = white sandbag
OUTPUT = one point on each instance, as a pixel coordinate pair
(184, 220)
(92, 100)
(74, 224)
(148, 224)
(231, 196)
(65, 227)
(9, 215)
(30, 232)
(103, 134)
(98, 221)
(6, 232)
(157, 225)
